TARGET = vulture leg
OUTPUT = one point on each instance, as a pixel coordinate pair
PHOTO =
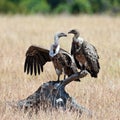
(58, 78)
(64, 76)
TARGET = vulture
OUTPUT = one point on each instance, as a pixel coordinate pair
(85, 54)
(37, 57)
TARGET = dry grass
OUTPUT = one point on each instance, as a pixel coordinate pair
(101, 95)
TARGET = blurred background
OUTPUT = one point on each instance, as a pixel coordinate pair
(59, 6)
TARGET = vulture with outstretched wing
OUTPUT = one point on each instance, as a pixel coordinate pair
(36, 57)
(85, 54)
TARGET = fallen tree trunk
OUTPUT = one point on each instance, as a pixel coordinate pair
(52, 95)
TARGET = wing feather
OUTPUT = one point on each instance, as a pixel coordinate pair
(36, 58)
(92, 57)
(41, 61)
(31, 68)
(35, 66)
(28, 60)
(38, 65)
(69, 63)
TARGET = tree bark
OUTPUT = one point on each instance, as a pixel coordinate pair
(52, 95)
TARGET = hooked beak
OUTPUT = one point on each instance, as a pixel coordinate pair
(69, 32)
(64, 35)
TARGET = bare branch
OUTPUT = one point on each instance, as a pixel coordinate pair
(73, 77)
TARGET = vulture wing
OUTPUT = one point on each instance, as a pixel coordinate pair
(67, 57)
(69, 63)
(92, 57)
(36, 57)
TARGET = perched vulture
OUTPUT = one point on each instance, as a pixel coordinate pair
(85, 54)
(36, 57)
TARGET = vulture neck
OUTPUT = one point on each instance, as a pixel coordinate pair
(56, 40)
(78, 39)
(54, 50)
(77, 35)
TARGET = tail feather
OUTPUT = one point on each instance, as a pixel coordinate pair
(93, 74)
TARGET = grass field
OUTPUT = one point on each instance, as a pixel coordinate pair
(101, 95)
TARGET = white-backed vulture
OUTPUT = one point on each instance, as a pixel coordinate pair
(36, 57)
(85, 54)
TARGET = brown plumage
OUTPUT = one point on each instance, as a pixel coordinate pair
(85, 54)
(36, 57)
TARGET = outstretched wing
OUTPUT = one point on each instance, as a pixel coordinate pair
(36, 57)
(92, 57)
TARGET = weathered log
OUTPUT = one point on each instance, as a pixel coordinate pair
(52, 95)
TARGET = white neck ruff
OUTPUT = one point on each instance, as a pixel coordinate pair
(79, 40)
(56, 43)
(51, 52)
(56, 40)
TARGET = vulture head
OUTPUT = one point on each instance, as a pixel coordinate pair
(61, 35)
(57, 36)
(55, 47)
(75, 32)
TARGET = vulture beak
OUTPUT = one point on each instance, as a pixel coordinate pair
(63, 34)
(70, 32)
(74, 31)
